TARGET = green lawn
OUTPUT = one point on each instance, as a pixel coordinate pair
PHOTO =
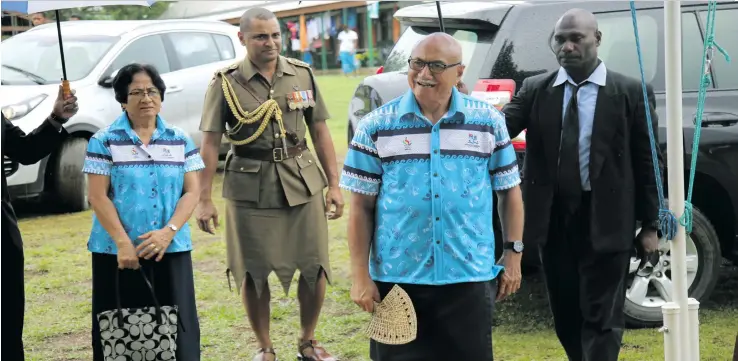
(58, 295)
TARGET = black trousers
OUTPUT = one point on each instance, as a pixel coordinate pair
(586, 289)
(173, 283)
(14, 301)
(454, 323)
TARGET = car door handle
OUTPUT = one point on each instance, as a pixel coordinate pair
(174, 89)
(717, 118)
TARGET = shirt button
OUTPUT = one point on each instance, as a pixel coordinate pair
(435, 151)
(241, 169)
(436, 195)
(152, 173)
(310, 161)
(438, 241)
(149, 157)
(435, 174)
(438, 218)
(276, 135)
(154, 205)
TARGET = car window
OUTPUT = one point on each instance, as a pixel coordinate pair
(34, 57)
(397, 59)
(618, 46)
(225, 46)
(692, 44)
(194, 49)
(726, 28)
(147, 50)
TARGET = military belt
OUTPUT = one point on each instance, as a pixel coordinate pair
(275, 155)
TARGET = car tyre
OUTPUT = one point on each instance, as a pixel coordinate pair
(709, 260)
(71, 183)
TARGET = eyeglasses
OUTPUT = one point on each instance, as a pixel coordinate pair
(435, 67)
(140, 93)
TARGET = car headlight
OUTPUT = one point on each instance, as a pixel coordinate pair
(19, 110)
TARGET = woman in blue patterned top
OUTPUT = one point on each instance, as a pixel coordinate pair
(143, 187)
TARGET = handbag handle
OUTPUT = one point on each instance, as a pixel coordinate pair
(148, 285)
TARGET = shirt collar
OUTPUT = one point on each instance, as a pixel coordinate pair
(409, 105)
(598, 76)
(249, 70)
(124, 124)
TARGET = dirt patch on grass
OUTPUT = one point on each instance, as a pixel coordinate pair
(70, 342)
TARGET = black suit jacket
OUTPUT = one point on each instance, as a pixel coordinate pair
(621, 167)
(25, 149)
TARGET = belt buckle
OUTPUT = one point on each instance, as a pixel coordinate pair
(278, 154)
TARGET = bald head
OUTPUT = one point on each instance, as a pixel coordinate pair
(576, 39)
(579, 18)
(254, 13)
(440, 43)
(434, 69)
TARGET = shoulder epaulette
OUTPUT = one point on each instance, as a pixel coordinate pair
(227, 69)
(296, 62)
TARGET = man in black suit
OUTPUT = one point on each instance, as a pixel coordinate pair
(589, 177)
(25, 149)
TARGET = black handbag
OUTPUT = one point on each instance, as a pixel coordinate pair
(139, 334)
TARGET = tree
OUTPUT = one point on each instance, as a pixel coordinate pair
(113, 12)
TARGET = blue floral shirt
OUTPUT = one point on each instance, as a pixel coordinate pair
(434, 186)
(146, 181)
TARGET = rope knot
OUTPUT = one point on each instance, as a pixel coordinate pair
(668, 223)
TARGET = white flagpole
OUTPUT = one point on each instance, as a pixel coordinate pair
(675, 166)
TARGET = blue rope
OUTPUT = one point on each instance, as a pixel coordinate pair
(709, 46)
(666, 217)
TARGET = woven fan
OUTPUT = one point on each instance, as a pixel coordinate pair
(394, 321)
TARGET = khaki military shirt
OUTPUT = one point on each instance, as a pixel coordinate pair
(267, 184)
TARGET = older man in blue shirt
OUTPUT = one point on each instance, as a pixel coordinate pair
(422, 169)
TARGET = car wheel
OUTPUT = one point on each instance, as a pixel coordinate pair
(71, 183)
(647, 293)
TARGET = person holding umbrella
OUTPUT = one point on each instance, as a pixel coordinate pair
(25, 149)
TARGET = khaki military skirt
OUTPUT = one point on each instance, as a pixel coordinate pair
(281, 240)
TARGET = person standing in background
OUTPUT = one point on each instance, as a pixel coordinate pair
(348, 40)
(38, 19)
(589, 176)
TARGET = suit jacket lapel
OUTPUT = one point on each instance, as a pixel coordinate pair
(551, 117)
(602, 129)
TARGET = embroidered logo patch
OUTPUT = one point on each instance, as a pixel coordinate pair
(407, 143)
(472, 141)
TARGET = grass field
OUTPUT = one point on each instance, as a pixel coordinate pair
(58, 294)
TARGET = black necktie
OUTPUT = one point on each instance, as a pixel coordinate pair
(569, 180)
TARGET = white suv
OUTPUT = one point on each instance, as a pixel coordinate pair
(186, 52)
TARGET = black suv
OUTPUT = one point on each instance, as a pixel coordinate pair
(506, 42)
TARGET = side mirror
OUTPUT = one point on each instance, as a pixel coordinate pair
(106, 81)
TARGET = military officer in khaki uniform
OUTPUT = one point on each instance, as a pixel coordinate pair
(275, 210)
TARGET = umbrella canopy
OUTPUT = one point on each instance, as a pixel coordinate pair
(30, 7)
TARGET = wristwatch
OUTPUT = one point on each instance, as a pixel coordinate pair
(515, 246)
(172, 227)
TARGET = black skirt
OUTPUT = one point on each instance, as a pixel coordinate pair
(173, 284)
